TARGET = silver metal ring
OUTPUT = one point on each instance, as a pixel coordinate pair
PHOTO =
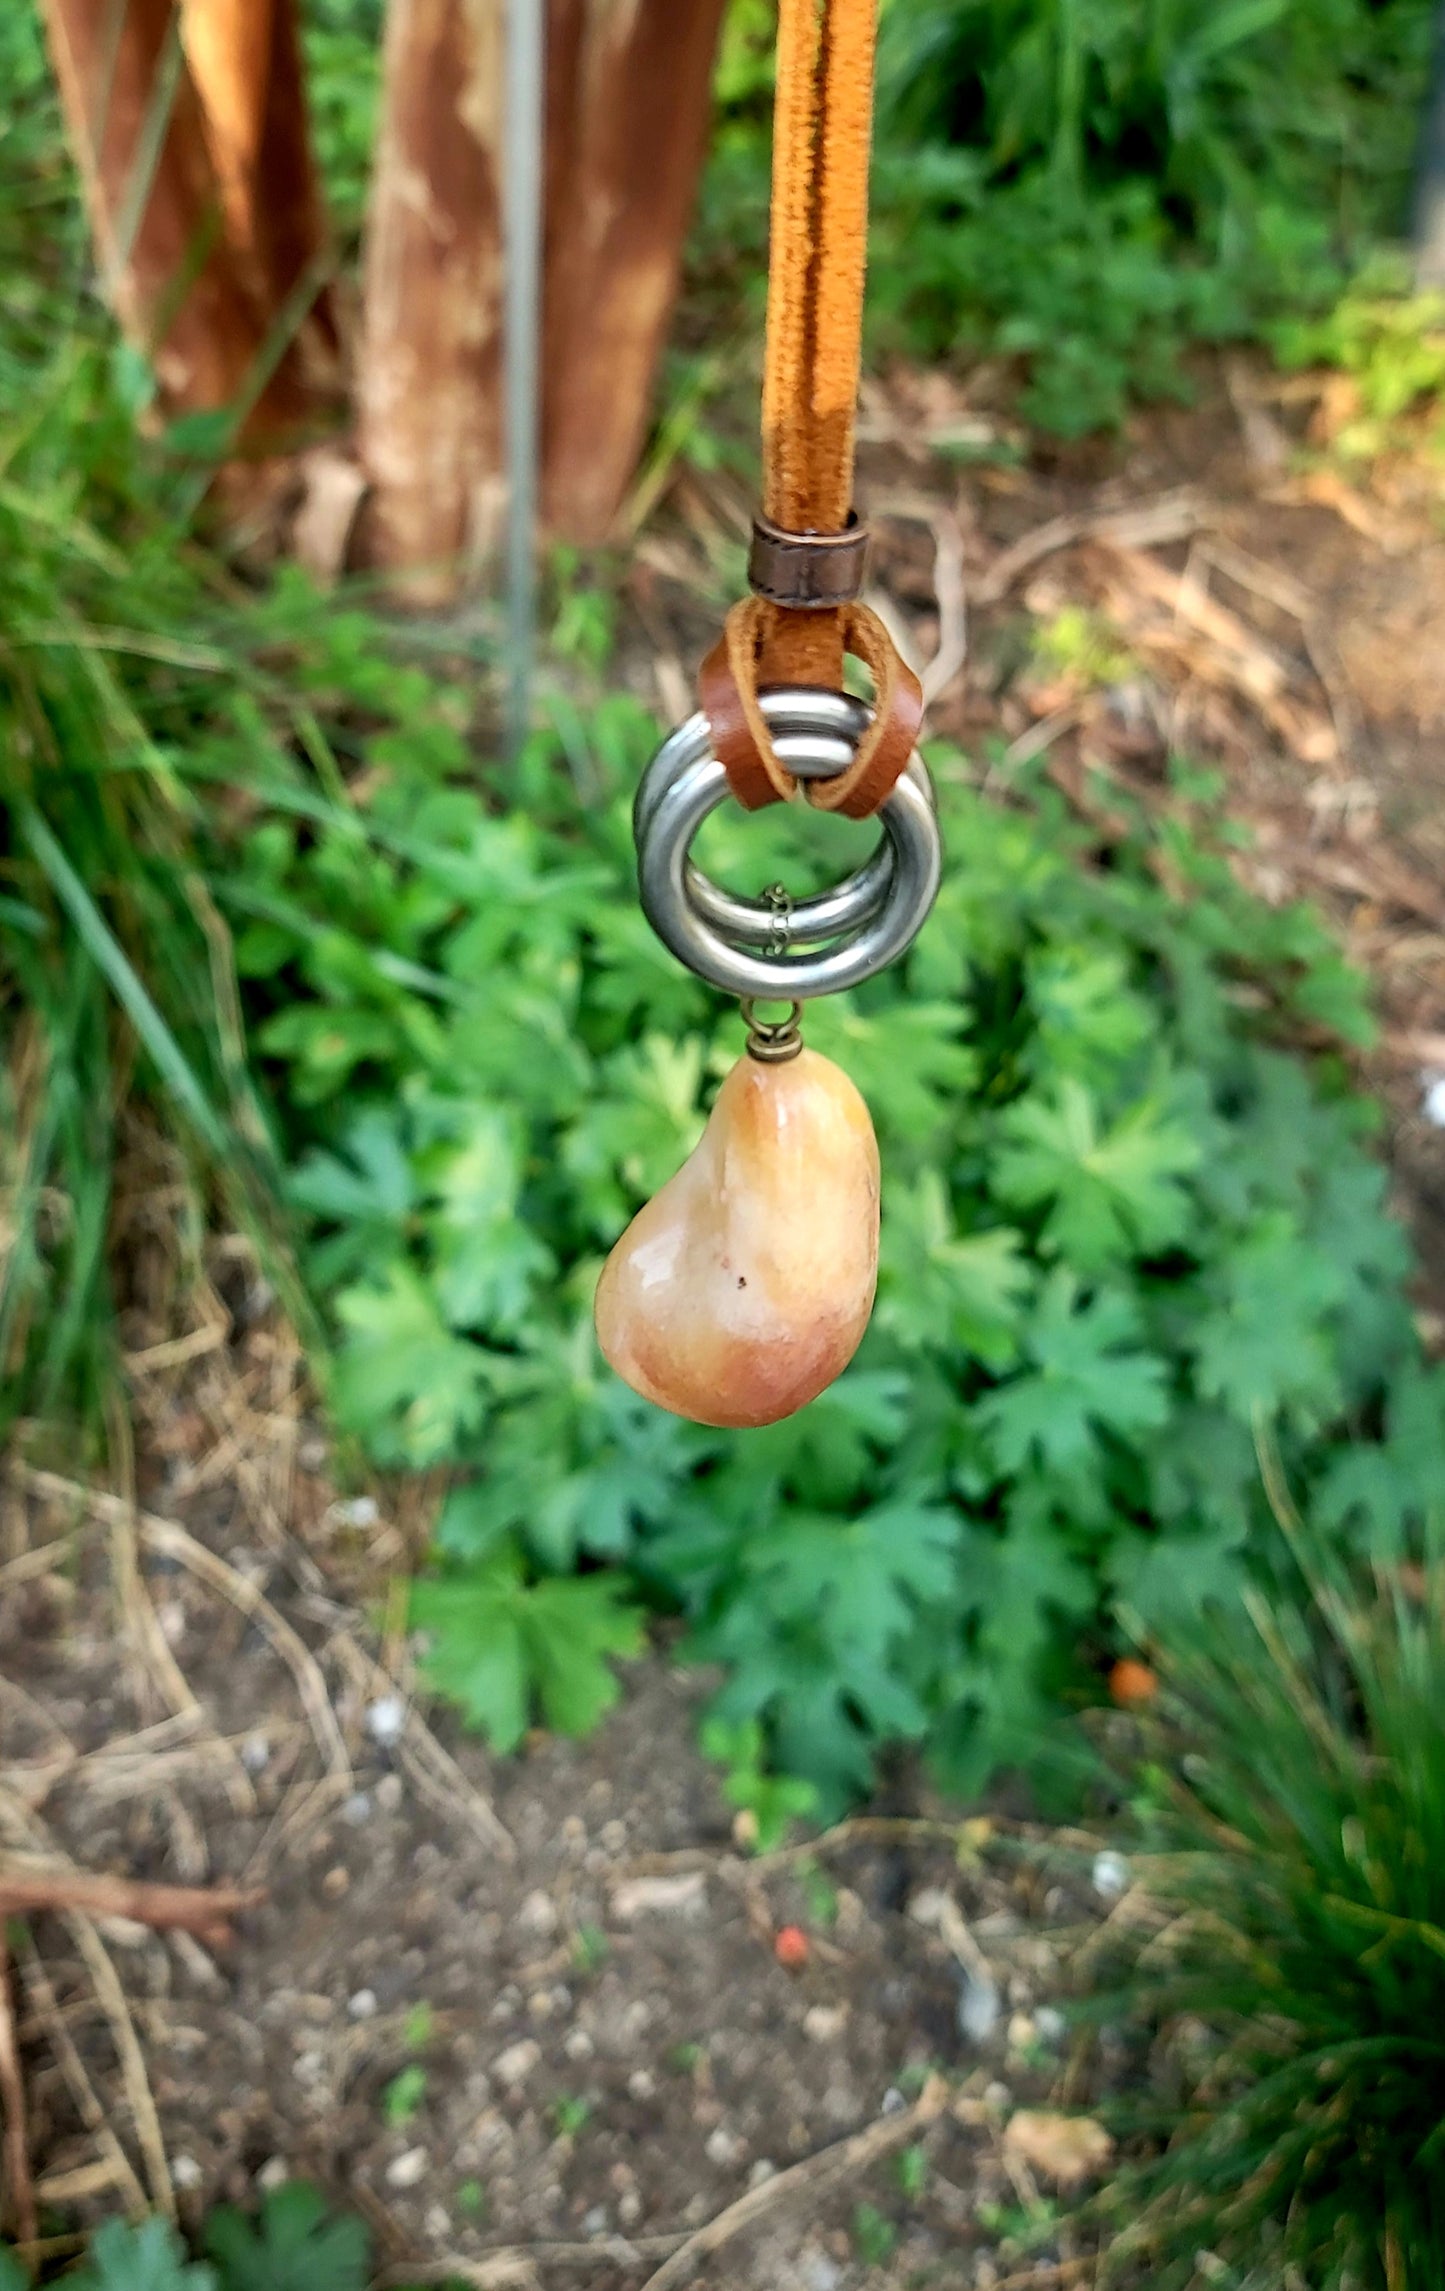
(815, 734)
(868, 921)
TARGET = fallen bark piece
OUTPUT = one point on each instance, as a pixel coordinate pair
(204, 1911)
(1066, 2149)
(659, 1896)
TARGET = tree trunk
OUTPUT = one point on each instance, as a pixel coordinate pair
(429, 425)
(628, 85)
(183, 291)
(245, 59)
(629, 131)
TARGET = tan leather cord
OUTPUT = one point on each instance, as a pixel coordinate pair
(822, 124)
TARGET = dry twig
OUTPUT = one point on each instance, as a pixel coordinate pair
(82, 2091)
(204, 1911)
(518, 2263)
(19, 2185)
(1148, 525)
(144, 2114)
(851, 2155)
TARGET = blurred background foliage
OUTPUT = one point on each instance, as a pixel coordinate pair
(1089, 187)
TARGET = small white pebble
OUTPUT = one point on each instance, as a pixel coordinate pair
(819, 2272)
(363, 2006)
(825, 2023)
(538, 1915)
(1050, 2023)
(360, 1511)
(1433, 1106)
(437, 2222)
(185, 2172)
(594, 2222)
(171, 1616)
(893, 2100)
(1022, 2031)
(408, 2169)
(578, 2045)
(274, 2173)
(1110, 1875)
(642, 2084)
(516, 2064)
(978, 2005)
(997, 2095)
(629, 2207)
(255, 1754)
(386, 1720)
(724, 2147)
(389, 1793)
(357, 1809)
(764, 2169)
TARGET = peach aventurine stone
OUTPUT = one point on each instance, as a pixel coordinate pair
(744, 1287)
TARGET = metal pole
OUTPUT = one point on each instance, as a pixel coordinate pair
(523, 134)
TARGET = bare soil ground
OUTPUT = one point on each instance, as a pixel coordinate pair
(564, 1954)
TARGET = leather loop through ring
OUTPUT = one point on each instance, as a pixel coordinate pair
(729, 692)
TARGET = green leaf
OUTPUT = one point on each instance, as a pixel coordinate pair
(499, 1644)
(294, 2246)
(402, 1378)
(637, 1131)
(403, 2096)
(957, 1292)
(488, 1262)
(1391, 1483)
(144, 2258)
(1112, 1193)
(1266, 1339)
(12, 2275)
(1087, 1375)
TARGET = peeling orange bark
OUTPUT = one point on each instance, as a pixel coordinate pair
(429, 380)
(628, 129)
(184, 290)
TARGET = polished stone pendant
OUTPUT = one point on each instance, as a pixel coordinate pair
(744, 1287)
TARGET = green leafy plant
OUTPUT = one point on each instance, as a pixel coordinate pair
(1295, 1872)
(875, 2238)
(498, 1641)
(771, 1802)
(294, 2245)
(148, 2257)
(403, 2096)
(913, 2171)
(570, 2114)
(1391, 343)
